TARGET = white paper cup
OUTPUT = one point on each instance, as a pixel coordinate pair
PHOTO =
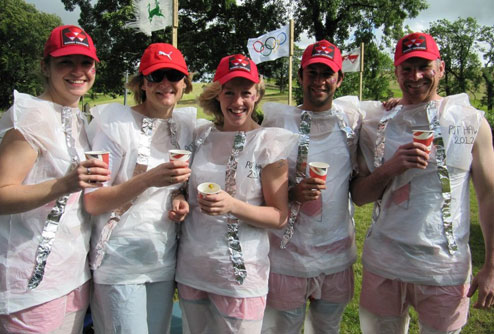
(318, 170)
(425, 137)
(182, 155)
(208, 188)
(99, 155)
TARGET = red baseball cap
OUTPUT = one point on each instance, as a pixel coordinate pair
(419, 45)
(69, 40)
(162, 55)
(236, 66)
(322, 52)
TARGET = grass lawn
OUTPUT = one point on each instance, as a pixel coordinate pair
(480, 321)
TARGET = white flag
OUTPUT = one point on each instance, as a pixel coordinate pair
(152, 15)
(271, 46)
(351, 61)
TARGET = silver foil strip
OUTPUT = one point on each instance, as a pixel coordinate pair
(52, 221)
(379, 151)
(192, 147)
(144, 149)
(143, 152)
(381, 136)
(172, 128)
(350, 135)
(103, 239)
(300, 173)
(345, 128)
(442, 171)
(231, 235)
(197, 142)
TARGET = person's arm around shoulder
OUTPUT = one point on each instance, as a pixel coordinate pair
(367, 187)
(274, 214)
(483, 181)
(17, 158)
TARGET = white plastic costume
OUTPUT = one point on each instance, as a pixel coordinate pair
(134, 259)
(203, 259)
(40, 123)
(407, 240)
(316, 262)
(323, 241)
(142, 246)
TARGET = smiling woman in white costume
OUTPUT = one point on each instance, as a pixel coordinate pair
(134, 240)
(44, 233)
(223, 260)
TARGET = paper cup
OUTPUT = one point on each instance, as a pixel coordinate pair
(208, 188)
(100, 155)
(425, 137)
(318, 170)
(182, 155)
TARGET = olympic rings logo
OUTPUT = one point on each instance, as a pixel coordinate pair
(270, 44)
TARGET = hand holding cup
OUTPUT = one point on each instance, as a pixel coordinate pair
(182, 155)
(425, 137)
(95, 172)
(318, 170)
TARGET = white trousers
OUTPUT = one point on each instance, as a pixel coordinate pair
(132, 308)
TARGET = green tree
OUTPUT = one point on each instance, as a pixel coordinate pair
(457, 42)
(208, 30)
(119, 47)
(335, 19)
(279, 69)
(338, 20)
(23, 32)
(486, 46)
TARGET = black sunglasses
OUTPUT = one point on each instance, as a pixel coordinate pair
(159, 75)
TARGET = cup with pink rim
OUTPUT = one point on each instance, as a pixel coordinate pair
(182, 155)
(208, 188)
(425, 137)
(318, 170)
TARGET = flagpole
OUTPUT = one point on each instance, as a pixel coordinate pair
(175, 24)
(361, 70)
(290, 66)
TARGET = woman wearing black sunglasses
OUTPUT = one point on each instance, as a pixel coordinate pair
(133, 246)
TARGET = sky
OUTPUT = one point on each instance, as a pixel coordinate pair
(481, 10)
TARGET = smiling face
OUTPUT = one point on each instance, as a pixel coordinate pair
(419, 79)
(319, 83)
(161, 97)
(68, 78)
(237, 100)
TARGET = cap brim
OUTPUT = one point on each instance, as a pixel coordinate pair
(320, 60)
(416, 54)
(159, 66)
(238, 74)
(74, 50)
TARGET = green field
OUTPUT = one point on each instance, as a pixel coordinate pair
(189, 100)
(480, 321)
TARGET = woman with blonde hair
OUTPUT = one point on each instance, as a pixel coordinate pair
(223, 263)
